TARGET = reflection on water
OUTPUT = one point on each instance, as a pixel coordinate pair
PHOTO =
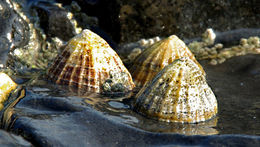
(119, 109)
(8, 111)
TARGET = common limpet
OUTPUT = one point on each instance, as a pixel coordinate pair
(178, 93)
(154, 58)
(87, 62)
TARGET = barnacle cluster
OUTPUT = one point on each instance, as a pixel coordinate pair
(217, 54)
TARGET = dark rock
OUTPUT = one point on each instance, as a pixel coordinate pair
(107, 12)
(129, 21)
(187, 19)
(54, 20)
(11, 140)
(14, 31)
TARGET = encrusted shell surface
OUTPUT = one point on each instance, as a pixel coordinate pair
(154, 58)
(178, 93)
(87, 62)
(6, 86)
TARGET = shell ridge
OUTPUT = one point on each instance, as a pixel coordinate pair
(62, 73)
(55, 69)
(147, 62)
(197, 84)
(90, 60)
(78, 64)
(82, 69)
(176, 49)
(168, 92)
(164, 47)
(178, 92)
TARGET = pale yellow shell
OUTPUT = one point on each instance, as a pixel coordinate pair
(86, 63)
(179, 93)
(6, 86)
(154, 58)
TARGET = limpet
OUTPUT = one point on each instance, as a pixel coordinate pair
(154, 58)
(87, 62)
(178, 93)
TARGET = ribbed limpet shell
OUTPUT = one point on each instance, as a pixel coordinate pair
(154, 58)
(87, 62)
(178, 93)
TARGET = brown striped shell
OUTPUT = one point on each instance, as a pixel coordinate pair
(87, 63)
(178, 93)
(154, 58)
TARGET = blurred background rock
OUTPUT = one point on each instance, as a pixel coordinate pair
(131, 20)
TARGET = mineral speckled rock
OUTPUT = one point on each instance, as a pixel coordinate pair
(14, 31)
(145, 19)
(26, 39)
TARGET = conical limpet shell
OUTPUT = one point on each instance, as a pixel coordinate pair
(153, 59)
(6, 86)
(87, 62)
(178, 93)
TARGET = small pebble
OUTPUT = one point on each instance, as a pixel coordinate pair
(243, 41)
(213, 62)
(221, 60)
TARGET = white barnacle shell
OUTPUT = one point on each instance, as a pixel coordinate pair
(178, 93)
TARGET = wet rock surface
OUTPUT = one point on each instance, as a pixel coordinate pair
(11, 140)
(240, 92)
(48, 116)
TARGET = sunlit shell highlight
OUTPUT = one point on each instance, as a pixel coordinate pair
(6, 86)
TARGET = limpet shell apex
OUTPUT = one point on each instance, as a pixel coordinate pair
(178, 93)
(86, 63)
(154, 58)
